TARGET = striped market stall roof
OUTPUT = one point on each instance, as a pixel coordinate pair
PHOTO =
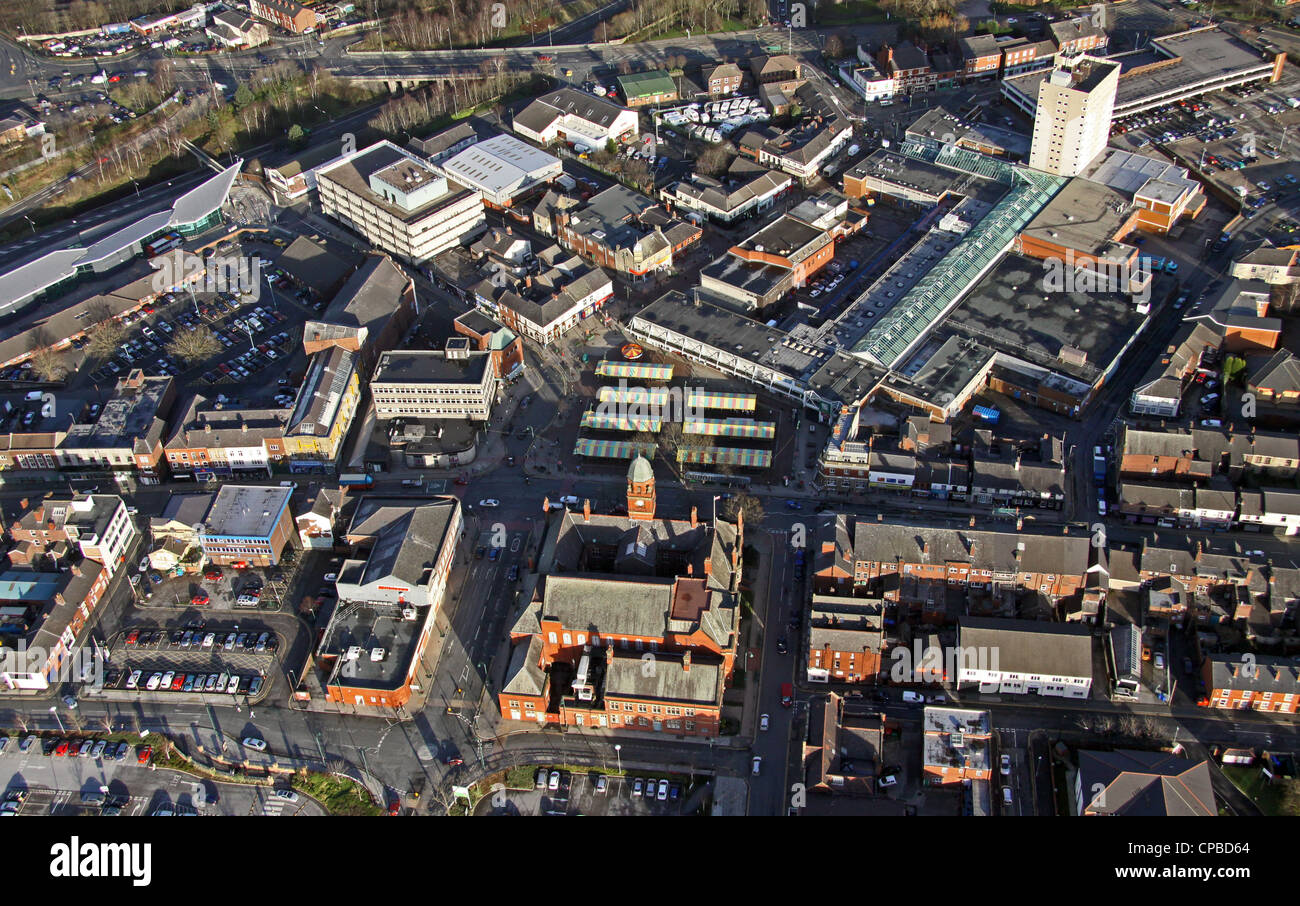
(733, 402)
(644, 372)
(611, 449)
(600, 422)
(657, 396)
(730, 427)
(735, 456)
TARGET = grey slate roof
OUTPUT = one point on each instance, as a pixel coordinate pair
(1278, 675)
(524, 675)
(1146, 783)
(702, 684)
(1027, 646)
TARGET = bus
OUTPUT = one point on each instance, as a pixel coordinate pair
(162, 244)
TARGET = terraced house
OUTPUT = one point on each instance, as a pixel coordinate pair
(917, 566)
(616, 593)
(226, 443)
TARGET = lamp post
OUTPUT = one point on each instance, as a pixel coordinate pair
(54, 709)
(617, 754)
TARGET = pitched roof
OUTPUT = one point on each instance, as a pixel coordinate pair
(1027, 646)
(1126, 782)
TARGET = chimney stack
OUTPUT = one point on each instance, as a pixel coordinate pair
(972, 521)
(609, 654)
(695, 517)
(546, 505)
(586, 510)
(686, 662)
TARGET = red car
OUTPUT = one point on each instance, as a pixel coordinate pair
(133, 637)
(212, 575)
(115, 77)
(178, 683)
(61, 748)
(395, 807)
(142, 757)
(200, 599)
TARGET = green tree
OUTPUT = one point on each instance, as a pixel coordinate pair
(243, 97)
(611, 147)
(297, 135)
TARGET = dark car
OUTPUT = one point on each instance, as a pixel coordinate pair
(478, 554)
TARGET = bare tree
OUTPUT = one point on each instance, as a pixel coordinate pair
(194, 346)
(104, 338)
(47, 364)
(748, 504)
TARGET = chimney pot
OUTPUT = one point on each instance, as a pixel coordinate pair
(686, 662)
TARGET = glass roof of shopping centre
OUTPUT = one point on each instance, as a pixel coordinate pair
(1030, 191)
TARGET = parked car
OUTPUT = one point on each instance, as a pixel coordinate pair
(257, 745)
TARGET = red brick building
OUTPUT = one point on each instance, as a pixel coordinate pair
(288, 14)
(1251, 682)
(633, 623)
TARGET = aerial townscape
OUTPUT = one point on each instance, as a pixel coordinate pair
(875, 408)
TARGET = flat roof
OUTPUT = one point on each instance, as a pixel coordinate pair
(430, 366)
(1008, 311)
(1084, 216)
(353, 175)
(246, 511)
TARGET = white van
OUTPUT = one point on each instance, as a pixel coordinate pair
(569, 500)
(915, 698)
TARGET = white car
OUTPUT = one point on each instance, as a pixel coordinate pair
(1006, 765)
(489, 502)
(257, 745)
(763, 722)
(144, 564)
(286, 795)
(888, 781)
(133, 681)
(153, 682)
(330, 577)
(757, 764)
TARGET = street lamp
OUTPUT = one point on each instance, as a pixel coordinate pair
(617, 750)
(55, 711)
